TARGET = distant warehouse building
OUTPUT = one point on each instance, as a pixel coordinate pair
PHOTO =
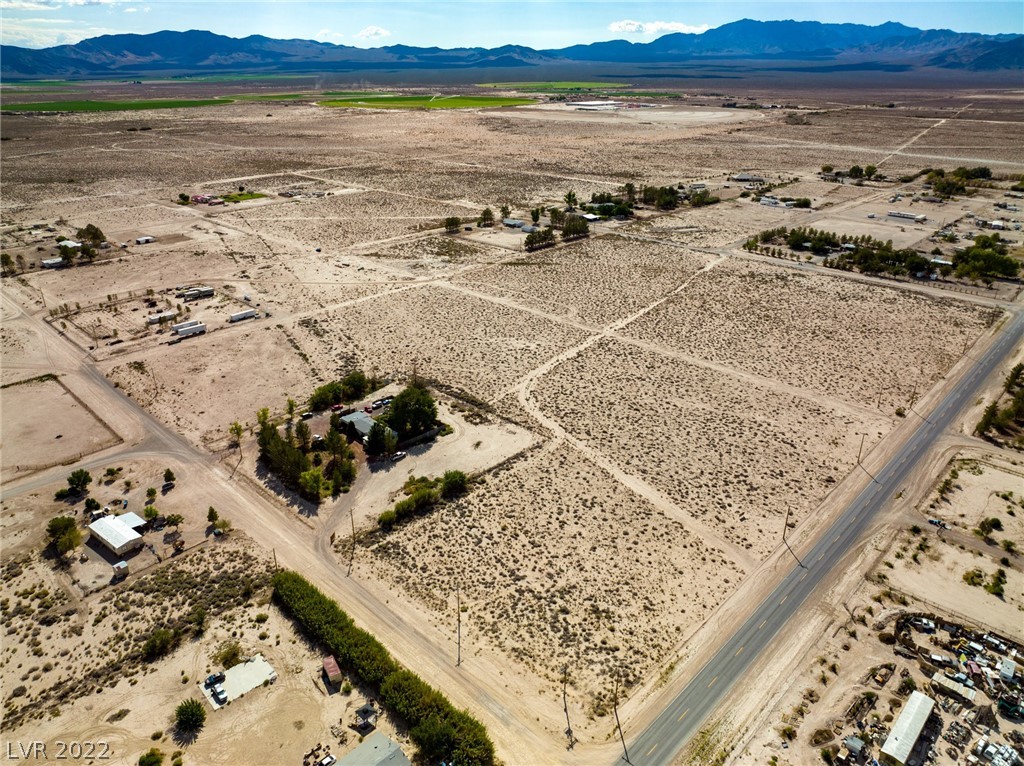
(115, 535)
(163, 316)
(907, 729)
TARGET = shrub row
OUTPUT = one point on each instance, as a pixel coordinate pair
(439, 731)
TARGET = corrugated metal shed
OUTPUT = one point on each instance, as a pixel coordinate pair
(115, 534)
(953, 687)
(908, 727)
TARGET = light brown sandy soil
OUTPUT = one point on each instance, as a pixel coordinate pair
(550, 577)
(694, 422)
(36, 416)
(841, 343)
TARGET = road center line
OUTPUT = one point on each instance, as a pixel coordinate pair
(685, 712)
(738, 652)
(652, 750)
(712, 682)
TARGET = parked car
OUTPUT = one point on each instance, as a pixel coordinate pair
(327, 760)
(219, 694)
(307, 415)
(213, 680)
(399, 456)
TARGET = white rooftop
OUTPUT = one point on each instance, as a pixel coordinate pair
(133, 520)
(908, 727)
(113, 532)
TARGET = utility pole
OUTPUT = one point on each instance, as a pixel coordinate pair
(458, 627)
(352, 553)
(275, 558)
(615, 707)
(785, 526)
(861, 450)
(565, 704)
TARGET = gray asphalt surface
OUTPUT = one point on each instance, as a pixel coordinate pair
(665, 737)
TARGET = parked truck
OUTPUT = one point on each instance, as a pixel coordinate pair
(238, 316)
(196, 329)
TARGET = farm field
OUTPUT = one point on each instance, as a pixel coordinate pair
(425, 102)
(642, 412)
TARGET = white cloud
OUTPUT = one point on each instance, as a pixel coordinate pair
(131, 10)
(327, 36)
(372, 33)
(39, 33)
(25, 5)
(630, 27)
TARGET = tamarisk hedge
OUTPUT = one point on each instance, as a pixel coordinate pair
(439, 731)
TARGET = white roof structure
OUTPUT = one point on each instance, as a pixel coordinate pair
(133, 520)
(908, 727)
(376, 750)
(115, 534)
(954, 687)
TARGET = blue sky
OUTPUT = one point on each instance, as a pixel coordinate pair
(536, 23)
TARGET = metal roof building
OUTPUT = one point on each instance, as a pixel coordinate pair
(950, 686)
(907, 729)
(115, 534)
(376, 750)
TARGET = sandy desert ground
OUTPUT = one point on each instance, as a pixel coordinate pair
(677, 400)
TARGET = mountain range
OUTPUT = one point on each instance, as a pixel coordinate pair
(890, 46)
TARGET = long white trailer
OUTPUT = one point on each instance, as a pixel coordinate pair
(911, 216)
(238, 316)
(196, 329)
(177, 328)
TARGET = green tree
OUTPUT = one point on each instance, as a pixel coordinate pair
(827, 168)
(570, 199)
(151, 494)
(856, 172)
(452, 224)
(630, 190)
(190, 716)
(413, 412)
(334, 444)
(236, 431)
(182, 197)
(869, 171)
(160, 642)
(175, 520)
(575, 228)
(303, 434)
(91, 233)
(79, 480)
(313, 484)
(376, 440)
(290, 408)
(168, 475)
(453, 484)
(149, 513)
(212, 515)
(6, 264)
(486, 218)
(557, 216)
(535, 215)
(64, 534)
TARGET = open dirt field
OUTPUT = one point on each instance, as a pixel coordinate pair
(852, 343)
(27, 406)
(544, 571)
(674, 401)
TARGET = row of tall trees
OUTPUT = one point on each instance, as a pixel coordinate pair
(441, 732)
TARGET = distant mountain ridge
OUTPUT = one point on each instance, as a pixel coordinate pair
(198, 52)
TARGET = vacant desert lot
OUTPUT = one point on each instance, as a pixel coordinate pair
(547, 555)
(858, 343)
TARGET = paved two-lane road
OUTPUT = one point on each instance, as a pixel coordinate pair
(662, 740)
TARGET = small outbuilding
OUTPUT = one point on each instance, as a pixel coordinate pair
(332, 671)
(133, 521)
(51, 263)
(144, 240)
(115, 535)
(359, 425)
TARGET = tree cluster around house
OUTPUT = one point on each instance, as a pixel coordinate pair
(352, 387)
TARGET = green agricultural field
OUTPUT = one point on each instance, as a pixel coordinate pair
(426, 102)
(312, 95)
(554, 87)
(242, 196)
(112, 106)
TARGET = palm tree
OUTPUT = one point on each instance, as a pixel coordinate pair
(570, 199)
